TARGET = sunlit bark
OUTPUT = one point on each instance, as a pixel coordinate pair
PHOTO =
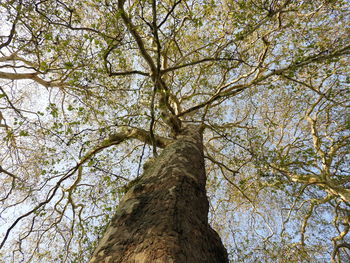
(163, 216)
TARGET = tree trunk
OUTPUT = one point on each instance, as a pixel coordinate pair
(164, 215)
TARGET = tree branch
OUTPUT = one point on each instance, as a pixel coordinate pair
(234, 90)
(169, 13)
(198, 62)
(32, 76)
(13, 28)
(136, 36)
(131, 72)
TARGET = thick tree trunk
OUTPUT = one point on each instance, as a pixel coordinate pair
(164, 216)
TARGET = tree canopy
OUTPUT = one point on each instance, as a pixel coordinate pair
(89, 90)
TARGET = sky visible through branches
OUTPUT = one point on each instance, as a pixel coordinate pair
(88, 88)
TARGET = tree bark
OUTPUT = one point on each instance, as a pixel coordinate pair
(164, 216)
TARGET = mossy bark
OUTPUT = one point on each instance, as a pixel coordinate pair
(164, 216)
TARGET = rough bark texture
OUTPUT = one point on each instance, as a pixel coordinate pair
(163, 216)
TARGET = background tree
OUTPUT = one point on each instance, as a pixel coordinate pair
(268, 79)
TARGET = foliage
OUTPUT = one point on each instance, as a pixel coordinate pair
(89, 89)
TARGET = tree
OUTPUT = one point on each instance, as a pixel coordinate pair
(92, 89)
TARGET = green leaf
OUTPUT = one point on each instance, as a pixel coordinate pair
(68, 65)
(90, 163)
(23, 133)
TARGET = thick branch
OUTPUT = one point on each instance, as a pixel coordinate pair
(136, 36)
(114, 139)
(135, 133)
(329, 186)
(234, 90)
(32, 76)
(167, 111)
